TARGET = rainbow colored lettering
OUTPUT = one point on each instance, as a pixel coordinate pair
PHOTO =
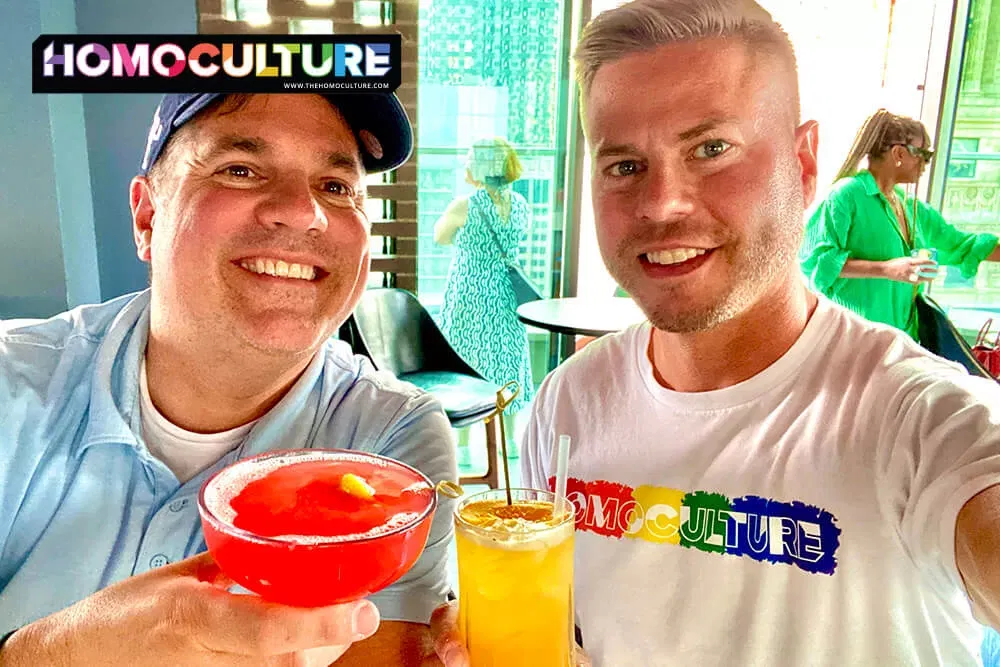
(765, 530)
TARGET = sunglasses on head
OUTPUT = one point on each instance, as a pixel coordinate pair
(921, 153)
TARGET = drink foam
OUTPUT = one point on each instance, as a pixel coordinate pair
(230, 482)
(524, 525)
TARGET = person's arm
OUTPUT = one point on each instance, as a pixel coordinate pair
(938, 457)
(901, 269)
(451, 221)
(977, 553)
(994, 256)
(181, 614)
(964, 250)
(825, 250)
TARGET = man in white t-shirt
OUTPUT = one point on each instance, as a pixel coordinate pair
(760, 477)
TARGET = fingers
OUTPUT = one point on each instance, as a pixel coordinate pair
(581, 659)
(448, 642)
(248, 625)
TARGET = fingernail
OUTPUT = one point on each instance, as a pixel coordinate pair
(365, 620)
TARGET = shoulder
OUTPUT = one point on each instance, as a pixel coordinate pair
(32, 350)
(519, 202)
(344, 369)
(886, 368)
(847, 191)
(596, 370)
(378, 412)
(355, 391)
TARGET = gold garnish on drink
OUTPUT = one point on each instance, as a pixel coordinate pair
(357, 486)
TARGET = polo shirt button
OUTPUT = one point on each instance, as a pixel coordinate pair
(178, 505)
(159, 560)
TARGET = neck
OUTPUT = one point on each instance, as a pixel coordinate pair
(719, 358)
(208, 391)
(886, 181)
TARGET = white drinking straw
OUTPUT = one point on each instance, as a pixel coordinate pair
(562, 469)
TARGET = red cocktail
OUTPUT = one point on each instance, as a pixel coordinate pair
(316, 527)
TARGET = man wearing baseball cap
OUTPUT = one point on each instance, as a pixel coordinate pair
(249, 211)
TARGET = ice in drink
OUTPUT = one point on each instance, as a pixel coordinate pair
(515, 570)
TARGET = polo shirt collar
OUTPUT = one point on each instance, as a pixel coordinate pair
(114, 392)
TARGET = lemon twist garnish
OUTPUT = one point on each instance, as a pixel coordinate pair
(357, 486)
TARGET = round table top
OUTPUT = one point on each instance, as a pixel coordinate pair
(581, 316)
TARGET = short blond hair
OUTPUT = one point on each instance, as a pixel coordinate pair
(644, 25)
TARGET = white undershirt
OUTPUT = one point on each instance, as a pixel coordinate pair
(184, 452)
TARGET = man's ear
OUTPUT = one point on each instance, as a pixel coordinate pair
(143, 207)
(806, 145)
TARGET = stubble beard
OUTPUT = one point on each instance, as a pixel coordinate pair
(765, 261)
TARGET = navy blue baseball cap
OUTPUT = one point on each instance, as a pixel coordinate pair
(379, 123)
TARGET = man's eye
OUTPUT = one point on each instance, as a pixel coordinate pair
(338, 188)
(710, 149)
(238, 171)
(624, 168)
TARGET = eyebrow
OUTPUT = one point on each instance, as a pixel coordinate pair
(259, 146)
(233, 142)
(702, 128)
(615, 149)
(698, 130)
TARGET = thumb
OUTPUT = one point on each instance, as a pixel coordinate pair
(201, 567)
(448, 642)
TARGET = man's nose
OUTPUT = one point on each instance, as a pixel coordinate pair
(292, 203)
(667, 194)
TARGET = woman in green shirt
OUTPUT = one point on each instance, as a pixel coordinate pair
(859, 241)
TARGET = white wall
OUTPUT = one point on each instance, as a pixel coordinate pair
(66, 161)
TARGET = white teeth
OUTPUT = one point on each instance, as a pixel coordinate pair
(279, 268)
(674, 255)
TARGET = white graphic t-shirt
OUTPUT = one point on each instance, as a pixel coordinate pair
(803, 517)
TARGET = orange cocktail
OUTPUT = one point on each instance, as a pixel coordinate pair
(515, 572)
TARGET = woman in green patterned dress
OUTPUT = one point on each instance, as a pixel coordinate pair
(479, 312)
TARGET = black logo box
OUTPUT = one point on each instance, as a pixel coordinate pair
(189, 82)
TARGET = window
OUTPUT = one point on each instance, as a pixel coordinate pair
(970, 198)
(958, 165)
(491, 68)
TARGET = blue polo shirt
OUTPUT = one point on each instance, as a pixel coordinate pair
(83, 504)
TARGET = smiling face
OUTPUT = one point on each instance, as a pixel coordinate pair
(255, 228)
(700, 179)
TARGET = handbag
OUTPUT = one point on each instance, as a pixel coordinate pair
(521, 285)
(988, 355)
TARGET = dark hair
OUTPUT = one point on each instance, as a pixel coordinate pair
(880, 132)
